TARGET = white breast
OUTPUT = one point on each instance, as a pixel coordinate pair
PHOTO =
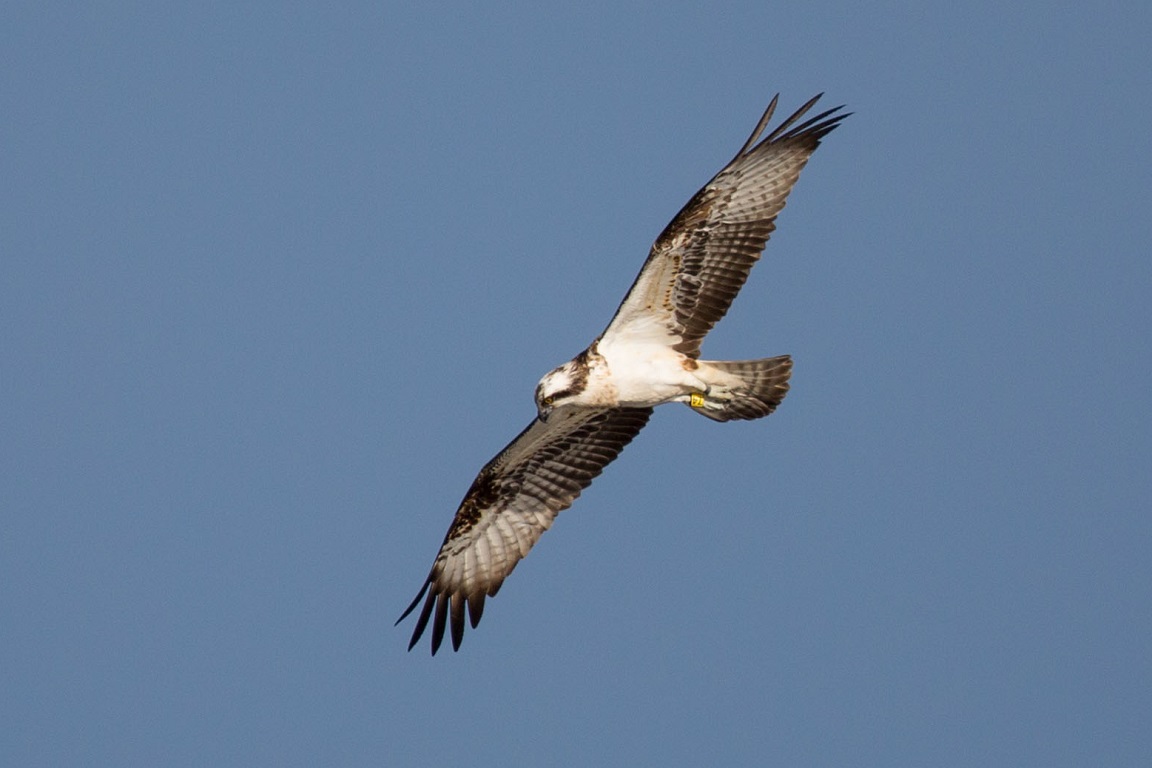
(647, 374)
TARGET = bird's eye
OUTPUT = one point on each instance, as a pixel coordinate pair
(548, 400)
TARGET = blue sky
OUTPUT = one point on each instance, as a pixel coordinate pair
(276, 280)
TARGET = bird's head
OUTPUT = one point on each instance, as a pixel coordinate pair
(559, 386)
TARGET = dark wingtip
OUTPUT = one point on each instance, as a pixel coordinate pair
(475, 608)
(816, 126)
(415, 602)
(760, 126)
(438, 622)
(446, 614)
(457, 620)
(425, 613)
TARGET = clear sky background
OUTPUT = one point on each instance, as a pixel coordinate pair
(277, 279)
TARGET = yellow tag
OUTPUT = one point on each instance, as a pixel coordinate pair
(696, 400)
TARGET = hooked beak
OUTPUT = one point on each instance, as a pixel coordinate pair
(543, 412)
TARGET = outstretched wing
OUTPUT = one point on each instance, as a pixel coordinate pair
(702, 258)
(513, 500)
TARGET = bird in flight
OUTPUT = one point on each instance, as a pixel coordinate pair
(589, 408)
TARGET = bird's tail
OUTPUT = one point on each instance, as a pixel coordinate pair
(746, 389)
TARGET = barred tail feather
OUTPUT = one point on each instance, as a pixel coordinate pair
(762, 385)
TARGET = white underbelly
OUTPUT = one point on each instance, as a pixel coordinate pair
(649, 375)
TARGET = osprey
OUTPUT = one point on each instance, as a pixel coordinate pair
(589, 408)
